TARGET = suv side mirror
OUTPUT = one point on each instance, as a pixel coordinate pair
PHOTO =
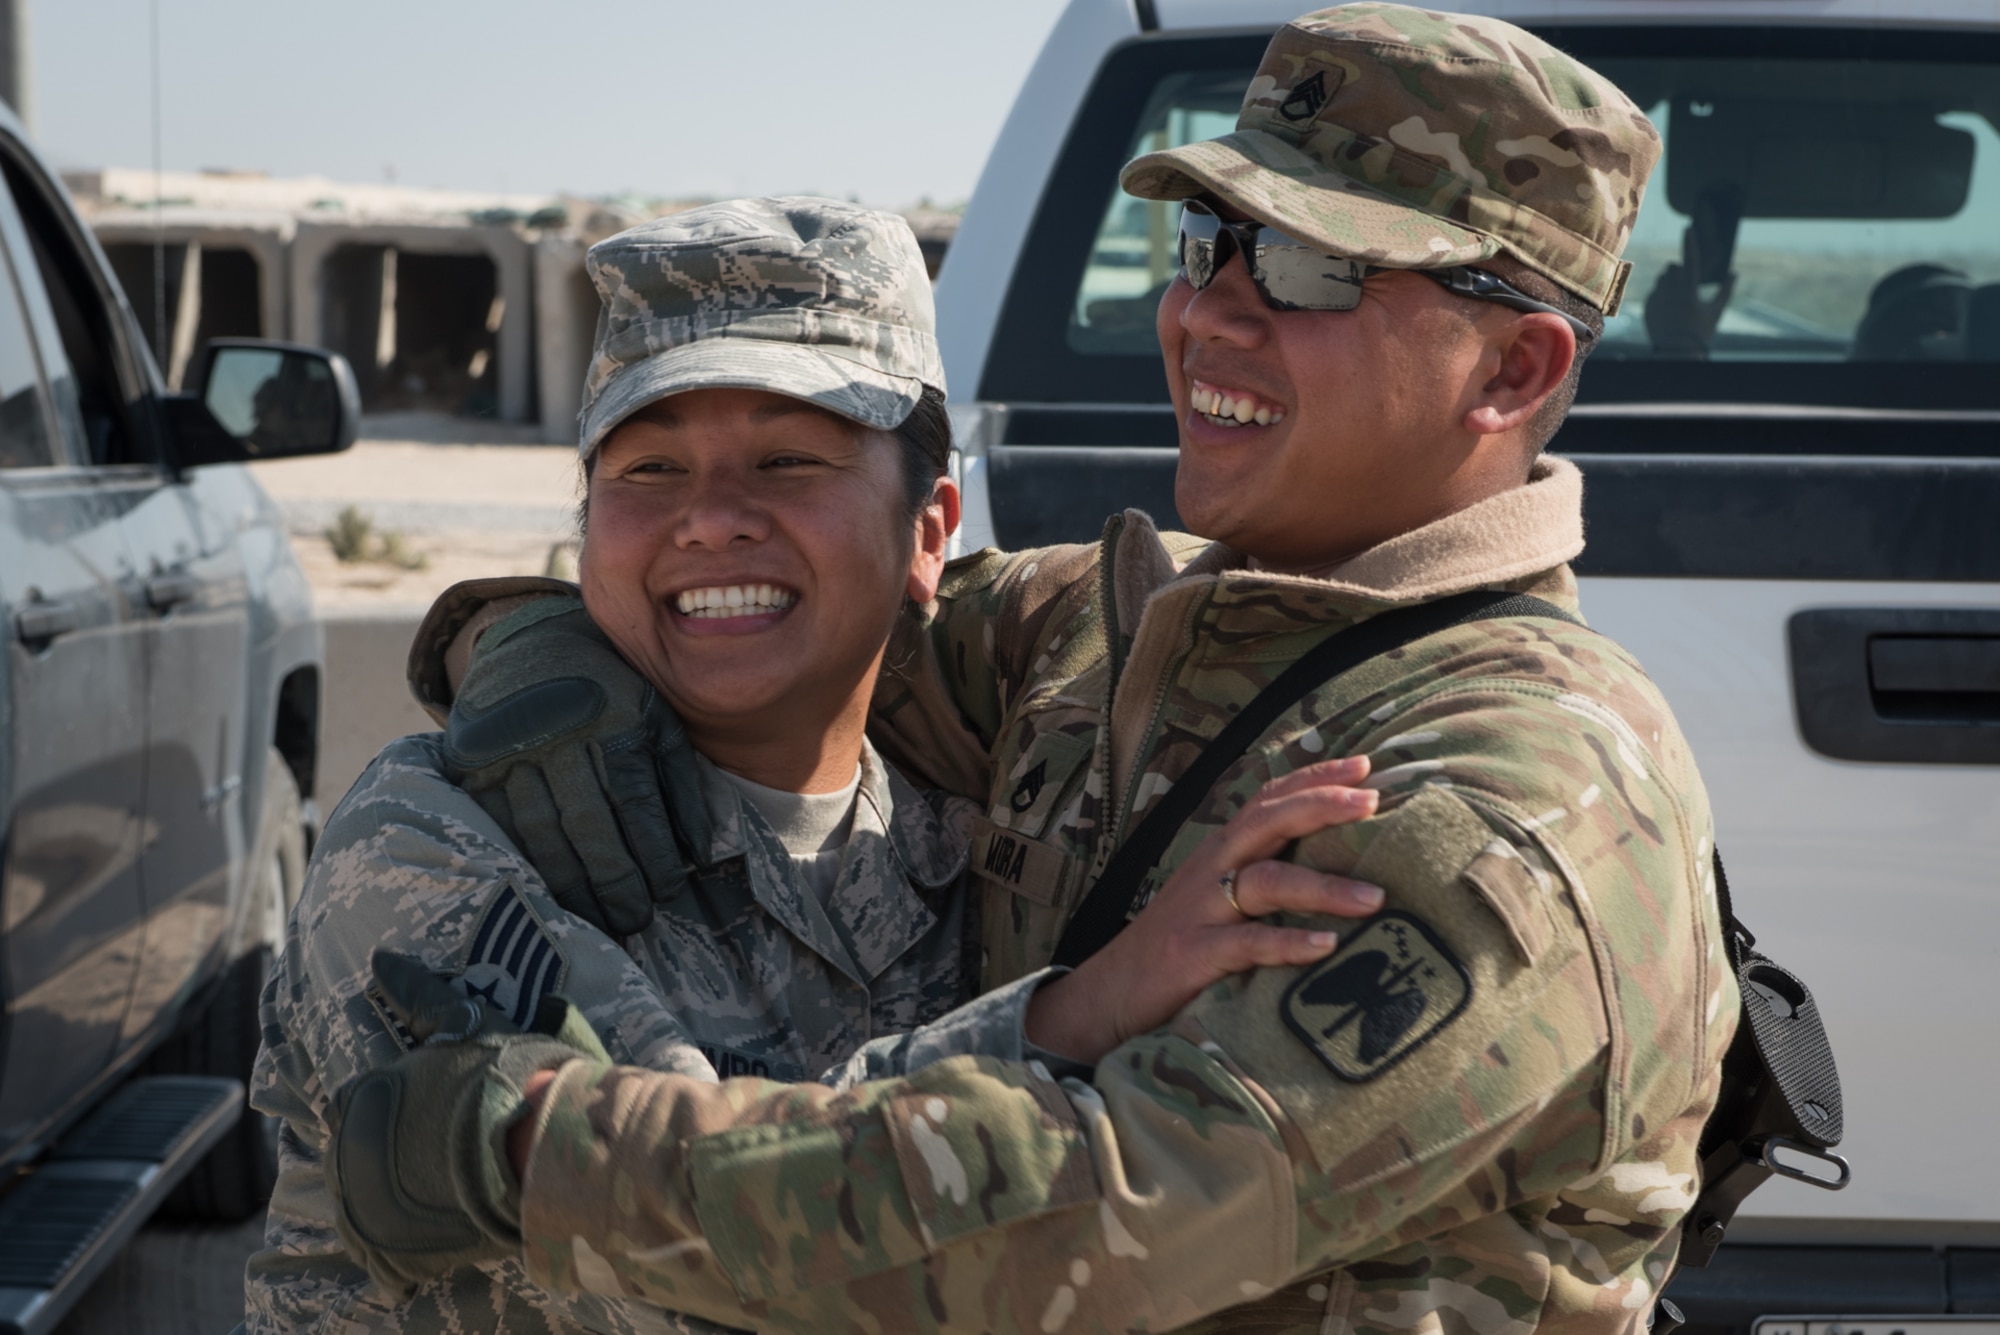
(259, 399)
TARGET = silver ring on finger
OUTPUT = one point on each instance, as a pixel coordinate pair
(1228, 882)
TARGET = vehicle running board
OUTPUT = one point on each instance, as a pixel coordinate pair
(67, 1217)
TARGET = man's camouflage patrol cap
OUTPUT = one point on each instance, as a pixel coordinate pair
(1418, 140)
(820, 300)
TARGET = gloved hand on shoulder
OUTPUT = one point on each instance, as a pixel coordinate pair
(563, 743)
(416, 1154)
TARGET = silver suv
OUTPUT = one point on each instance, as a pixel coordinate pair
(1790, 438)
(159, 717)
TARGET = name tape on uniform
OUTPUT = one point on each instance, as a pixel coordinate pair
(1028, 867)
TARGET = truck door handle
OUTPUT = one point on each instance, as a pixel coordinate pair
(39, 622)
(1911, 685)
(1942, 678)
(165, 591)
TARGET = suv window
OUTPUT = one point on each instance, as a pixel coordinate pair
(1824, 227)
(72, 316)
(32, 387)
(25, 439)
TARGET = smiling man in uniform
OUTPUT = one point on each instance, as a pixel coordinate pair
(1481, 1112)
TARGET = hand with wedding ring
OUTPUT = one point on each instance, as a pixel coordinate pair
(1228, 883)
(1202, 925)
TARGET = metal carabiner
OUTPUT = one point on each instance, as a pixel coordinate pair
(1761, 1153)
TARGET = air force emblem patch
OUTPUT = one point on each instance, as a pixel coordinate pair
(1386, 992)
(514, 962)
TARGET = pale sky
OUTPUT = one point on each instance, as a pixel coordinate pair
(888, 100)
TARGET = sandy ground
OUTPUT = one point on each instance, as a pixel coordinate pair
(444, 500)
(464, 499)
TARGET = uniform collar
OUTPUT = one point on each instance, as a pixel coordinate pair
(899, 848)
(1521, 536)
(931, 852)
(1521, 540)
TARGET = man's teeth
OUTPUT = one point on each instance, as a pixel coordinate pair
(1227, 409)
(734, 600)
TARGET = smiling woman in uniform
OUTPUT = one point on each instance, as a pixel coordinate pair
(766, 446)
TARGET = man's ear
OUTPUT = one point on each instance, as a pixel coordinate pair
(1531, 354)
(935, 524)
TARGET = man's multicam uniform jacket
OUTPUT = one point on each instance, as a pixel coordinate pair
(750, 976)
(1480, 1114)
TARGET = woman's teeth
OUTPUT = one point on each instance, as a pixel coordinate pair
(734, 600)
(1229, 408)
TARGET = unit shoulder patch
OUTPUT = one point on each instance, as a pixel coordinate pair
(1389, 989)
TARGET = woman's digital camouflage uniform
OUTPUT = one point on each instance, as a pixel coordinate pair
(748, 974)
(742, 970)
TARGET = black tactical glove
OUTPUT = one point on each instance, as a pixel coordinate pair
(416, 1154)
(575, 755)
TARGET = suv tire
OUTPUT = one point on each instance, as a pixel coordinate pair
(234, 1180)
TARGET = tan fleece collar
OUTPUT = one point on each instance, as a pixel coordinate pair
(1521, 532)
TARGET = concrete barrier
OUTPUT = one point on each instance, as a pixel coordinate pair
(367, 704)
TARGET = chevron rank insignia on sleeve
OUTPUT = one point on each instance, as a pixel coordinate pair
(514, 961)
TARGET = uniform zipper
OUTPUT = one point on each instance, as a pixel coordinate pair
(1114, 827)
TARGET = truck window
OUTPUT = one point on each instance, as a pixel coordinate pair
(1824, 227)
(1815, 211)
(1133, 259)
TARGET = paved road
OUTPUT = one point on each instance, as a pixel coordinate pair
(470, 499)
(466, 509)
(170, 1281)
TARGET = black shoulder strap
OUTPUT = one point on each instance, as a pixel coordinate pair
(1107, 907)
(1736, 938)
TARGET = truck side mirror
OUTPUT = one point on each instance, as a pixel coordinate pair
(255, 398)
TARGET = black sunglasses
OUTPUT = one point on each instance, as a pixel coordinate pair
(1292, 276)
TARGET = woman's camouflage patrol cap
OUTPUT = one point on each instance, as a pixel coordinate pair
(1417, 140)
(820, 300)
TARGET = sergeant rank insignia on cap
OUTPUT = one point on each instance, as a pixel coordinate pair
(1388, 990)
(1306, 98)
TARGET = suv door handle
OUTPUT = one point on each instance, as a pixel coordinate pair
(1915, 685)
(176, 586)
(39, 622)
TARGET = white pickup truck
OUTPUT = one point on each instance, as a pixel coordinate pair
(1790, 438)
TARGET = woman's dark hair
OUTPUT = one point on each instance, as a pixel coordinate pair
(925, 438)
